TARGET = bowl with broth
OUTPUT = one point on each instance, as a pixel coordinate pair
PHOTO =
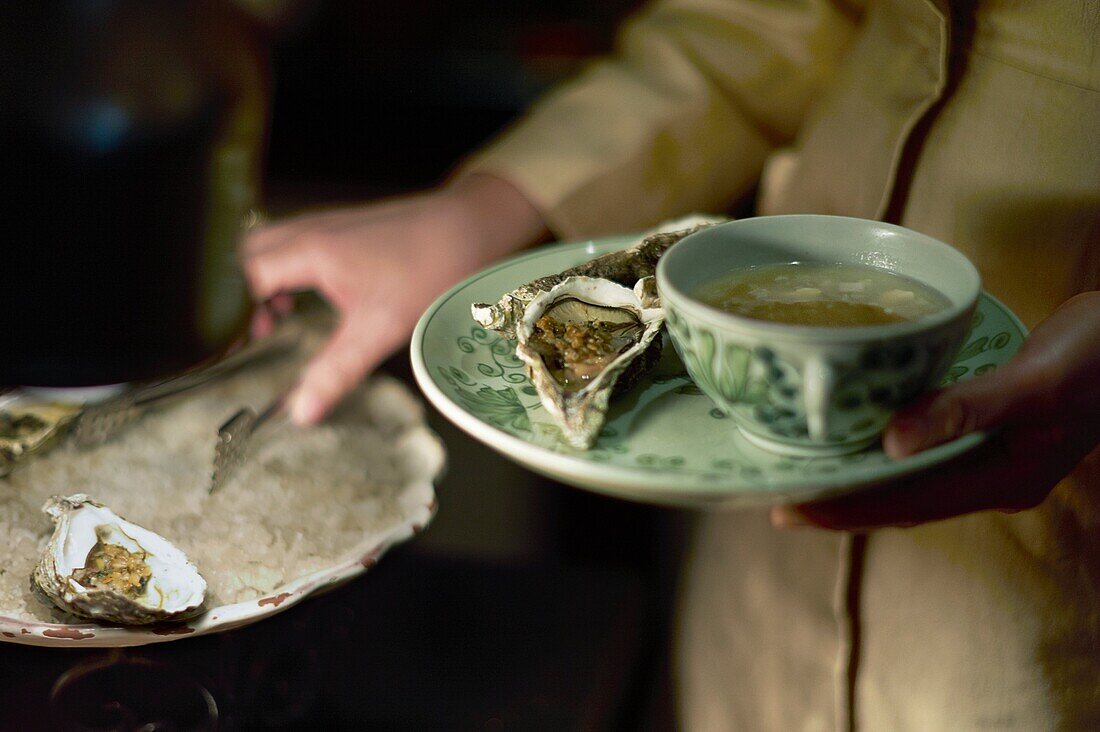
(810, 330)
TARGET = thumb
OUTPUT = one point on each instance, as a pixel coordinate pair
(981, 403)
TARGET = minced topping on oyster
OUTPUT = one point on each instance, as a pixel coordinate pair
(110, 566)
(577, 352)
(98, 565)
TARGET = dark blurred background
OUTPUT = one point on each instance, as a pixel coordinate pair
(527, 604)
(372, 98)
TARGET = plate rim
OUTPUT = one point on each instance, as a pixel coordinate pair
(644, 484)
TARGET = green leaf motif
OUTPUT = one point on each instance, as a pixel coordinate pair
(460, 376)
(732, 374)
(954, 374)
(698, 359)
(499, 407)
(672, 463)
(973, 348)
(550, 436)
(756, 392)
(500, 353)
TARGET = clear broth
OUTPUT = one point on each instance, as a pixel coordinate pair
(831, 295)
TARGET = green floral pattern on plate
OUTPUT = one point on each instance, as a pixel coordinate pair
(663, 441)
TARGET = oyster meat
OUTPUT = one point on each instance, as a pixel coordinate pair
(624, 267)
(98, 565)
(584, 339)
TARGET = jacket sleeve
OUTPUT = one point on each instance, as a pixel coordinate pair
(679, 119)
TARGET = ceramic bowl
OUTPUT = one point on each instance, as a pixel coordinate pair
(804, 389)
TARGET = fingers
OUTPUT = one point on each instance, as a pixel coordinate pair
(355, 348)
(289, 231)
(281, 304)
(981, 403)
(905, 504)
(1010, 472)
(263, 238)
(281, 270)
(267, 314)
(263, 323)
(946, 415)
(1042, 406)
(1053, 373)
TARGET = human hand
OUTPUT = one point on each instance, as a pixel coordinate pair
(1042, 408)
(380, 266)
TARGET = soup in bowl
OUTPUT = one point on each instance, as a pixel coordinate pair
(810, 330)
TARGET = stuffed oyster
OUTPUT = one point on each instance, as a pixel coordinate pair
(582, 341)
(589, 332)
(100, 566)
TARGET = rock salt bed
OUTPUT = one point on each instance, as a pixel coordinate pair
(302, 502)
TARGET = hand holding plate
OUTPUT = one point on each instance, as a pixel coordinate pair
(1044, 407)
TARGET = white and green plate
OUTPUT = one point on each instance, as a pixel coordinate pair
(664, 441)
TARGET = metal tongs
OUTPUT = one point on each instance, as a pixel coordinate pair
(100, 422)
(237, 434)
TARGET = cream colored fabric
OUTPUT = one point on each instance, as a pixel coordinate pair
(765, 631)
(682, 120)
(989, 621)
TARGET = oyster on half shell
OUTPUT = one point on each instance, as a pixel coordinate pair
(581, 340)
(98, 565)
(625, 267)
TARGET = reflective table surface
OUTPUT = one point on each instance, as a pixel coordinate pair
(417, 643)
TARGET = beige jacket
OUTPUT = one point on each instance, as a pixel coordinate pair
(977, 122)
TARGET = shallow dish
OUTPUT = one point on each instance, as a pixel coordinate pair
(660, 443)
(399, 512)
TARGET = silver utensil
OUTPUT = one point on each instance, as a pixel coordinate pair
(237, 435)
(100, 422)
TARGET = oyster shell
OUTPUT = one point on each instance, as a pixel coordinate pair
(27, 427)
(582, 339)
(98, 565)
(624, 267)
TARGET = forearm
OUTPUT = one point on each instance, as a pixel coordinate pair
(492, 215)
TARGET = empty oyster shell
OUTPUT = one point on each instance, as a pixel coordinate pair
(98, 565)
(624, 267)
(580, 340)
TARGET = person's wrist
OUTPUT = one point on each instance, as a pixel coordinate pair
(491, 215)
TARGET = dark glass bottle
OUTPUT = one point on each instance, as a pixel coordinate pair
(130, 141)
